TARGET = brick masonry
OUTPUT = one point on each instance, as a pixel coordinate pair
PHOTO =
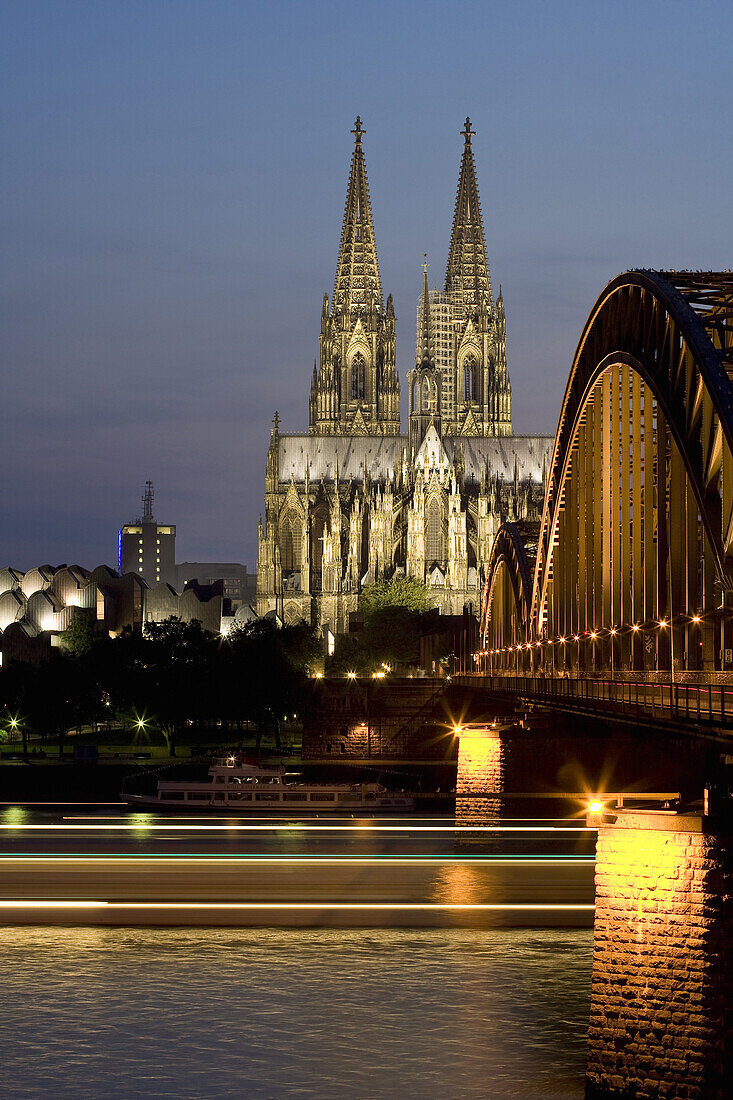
(661, 1004)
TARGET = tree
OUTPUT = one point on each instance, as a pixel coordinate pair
(404, 592)
(78, 638)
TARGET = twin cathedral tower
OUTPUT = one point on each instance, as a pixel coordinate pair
(354, 500)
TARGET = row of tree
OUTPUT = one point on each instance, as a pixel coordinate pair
(171, 677)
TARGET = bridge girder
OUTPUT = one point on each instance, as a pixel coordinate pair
(637, 525)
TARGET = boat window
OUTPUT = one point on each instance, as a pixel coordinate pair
(267, 797)
(322, 797)
(173, 795)
(200, 796)
(346, 798)
(296, 796)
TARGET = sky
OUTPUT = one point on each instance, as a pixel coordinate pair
(173, 178)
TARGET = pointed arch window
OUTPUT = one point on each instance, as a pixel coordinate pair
(290, 544)
(434, 533)
(469, 380)
(358, 378)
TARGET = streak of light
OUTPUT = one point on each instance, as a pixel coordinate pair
(351, 906)
(82, 857)
(295, 827)
(275, 820)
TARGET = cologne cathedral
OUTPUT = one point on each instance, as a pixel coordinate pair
(354, 500)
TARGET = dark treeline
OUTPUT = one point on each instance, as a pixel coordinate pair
(174, 676)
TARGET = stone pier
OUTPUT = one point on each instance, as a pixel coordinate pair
(661, 1017)
(480, 776)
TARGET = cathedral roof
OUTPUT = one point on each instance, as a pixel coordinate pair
(381, 455)
(357, 270)
(468, 268)
(431, 452)
(531, 452)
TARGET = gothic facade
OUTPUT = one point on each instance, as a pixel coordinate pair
(354, 500)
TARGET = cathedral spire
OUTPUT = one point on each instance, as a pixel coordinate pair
(357, 272)
(467, 273)
(426, 355)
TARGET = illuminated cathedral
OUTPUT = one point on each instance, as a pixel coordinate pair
(354, 500)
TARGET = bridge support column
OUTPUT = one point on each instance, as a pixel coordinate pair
(480, 770)
(661, 1020)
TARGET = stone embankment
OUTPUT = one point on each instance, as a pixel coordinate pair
(661, 1018)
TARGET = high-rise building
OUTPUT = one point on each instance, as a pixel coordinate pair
(148, 548)
(354, 500)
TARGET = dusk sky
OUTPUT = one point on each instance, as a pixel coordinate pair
(174, 177)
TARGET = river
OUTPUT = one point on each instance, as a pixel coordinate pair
(337, 1014)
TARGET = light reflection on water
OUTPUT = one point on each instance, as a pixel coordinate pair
(327, 1014)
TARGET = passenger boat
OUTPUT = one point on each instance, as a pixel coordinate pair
(248, 788)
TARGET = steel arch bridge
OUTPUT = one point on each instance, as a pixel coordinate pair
(633, 569)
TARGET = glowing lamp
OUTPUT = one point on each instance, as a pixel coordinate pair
(351, 675)
(594, 634)
(662, 623)
(635, 627)
(696, 619)
(457, 730)
(595, 808)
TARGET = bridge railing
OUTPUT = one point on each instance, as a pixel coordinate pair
(683, 702)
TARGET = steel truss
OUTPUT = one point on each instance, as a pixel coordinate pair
(634, 564)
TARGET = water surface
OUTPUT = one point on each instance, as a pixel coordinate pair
(333, 1014)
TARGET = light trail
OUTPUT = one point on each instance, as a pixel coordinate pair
(305, 906)
(347, 820)
(118, 857)
(302, 828)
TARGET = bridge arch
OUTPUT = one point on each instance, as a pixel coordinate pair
(507, 598)
(635, 554)
(634, 565)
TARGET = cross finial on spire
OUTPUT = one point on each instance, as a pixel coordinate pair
(468, 133)
(425, 263)
(357, 131)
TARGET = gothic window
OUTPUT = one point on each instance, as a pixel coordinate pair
(290, 544)
(425, 397)
(319, 521)
(358, 373)
(434, 533)
(469, 380)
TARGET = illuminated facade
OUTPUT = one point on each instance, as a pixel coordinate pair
(148, 548)
(36, 606)
(354, 500)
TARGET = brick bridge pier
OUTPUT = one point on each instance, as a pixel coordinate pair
(661, 1018)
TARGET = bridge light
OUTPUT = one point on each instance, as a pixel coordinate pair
(594, 634)
(576, 637)
(635, 628)
(595, 807)
(696, 619)
(613, 631)
(350, 675)
(562, 641)
(662, 623)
